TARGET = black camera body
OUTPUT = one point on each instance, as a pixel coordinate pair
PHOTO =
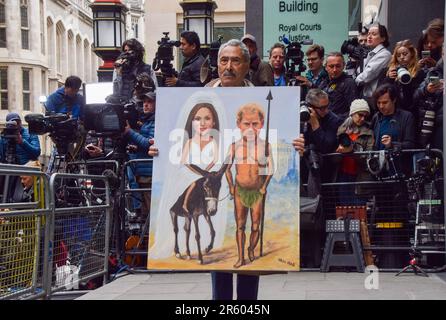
(294, 59)
(125, 60)
(61, 128)
(11, 130)
(428, 114)
(354, 50)
(164, 56)
(10, 135)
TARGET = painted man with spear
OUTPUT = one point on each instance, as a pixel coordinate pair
(254, 169)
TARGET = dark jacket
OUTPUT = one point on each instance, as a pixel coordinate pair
(365, 141)
(407, 91)
(341, 92)
(125, 80)
(28, 150)
(58, 102)
(325, 138)
(260, 73)
(190, 72)
(402, 123)
(141, 140)
(421, 98)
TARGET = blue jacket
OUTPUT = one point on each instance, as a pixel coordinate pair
(28, 150)
(60, 103)
(141, 140)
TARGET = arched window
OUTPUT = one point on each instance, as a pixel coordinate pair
(60, 43)
(51, 42)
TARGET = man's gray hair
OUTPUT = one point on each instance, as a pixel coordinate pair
(314, 95)
(236, 43)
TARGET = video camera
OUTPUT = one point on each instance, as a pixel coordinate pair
(164, 57)
(61, 128)
(125, 59)
(209, 69)
(10, 134)
(294, 59)
(106, 118)
(354, 50)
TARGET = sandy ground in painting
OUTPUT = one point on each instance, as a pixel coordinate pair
(281, 252)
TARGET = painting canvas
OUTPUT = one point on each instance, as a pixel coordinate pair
(225, 190)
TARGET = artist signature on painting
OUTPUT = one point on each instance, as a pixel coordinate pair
(290, 263)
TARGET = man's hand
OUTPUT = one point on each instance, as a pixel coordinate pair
(342, 149)
(19, 138)
(93, 151)
(314, 120)
(153, 151)
(428, 62)
(433, 88)
(299, 145)
(386, 140)
(127, 127)
(262, 190)
(304, 81)
(171, 82)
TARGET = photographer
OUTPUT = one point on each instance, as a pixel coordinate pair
(142, 141)
(27, 146)
(339, 86)
(128, 66)
(404, 72)
(260, 72)
(66, 99)
(190, 72)
(316, 73)
(376, 62)
(323, 123)
(277, 60)
(428, 100)
(392, 126)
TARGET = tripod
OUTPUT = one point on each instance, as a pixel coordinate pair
(413, 264)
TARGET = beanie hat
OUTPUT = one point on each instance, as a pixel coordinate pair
(359, 105)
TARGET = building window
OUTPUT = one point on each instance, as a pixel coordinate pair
(2, 24)
(4, 88)
(26, 74)
(354, 8)
(24, 24)
(42, 27)
(228, 32)
(135, 27)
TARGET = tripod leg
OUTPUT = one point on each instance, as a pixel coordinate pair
(402, 271)
(417, 268)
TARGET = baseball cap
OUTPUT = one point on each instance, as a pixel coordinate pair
(249, 37)
(13, 116)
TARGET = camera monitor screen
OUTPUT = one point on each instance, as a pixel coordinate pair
(98, 115)
(95, 93)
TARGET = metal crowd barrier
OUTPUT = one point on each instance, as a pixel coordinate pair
(134, 252)
(24, 237)
(79, 230)
(393, 223)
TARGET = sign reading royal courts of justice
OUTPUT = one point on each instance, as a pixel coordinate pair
(323, 21)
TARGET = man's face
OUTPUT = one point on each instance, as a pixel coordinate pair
(148, 105)
(250, 125)
(232, 67)
(362, 39)
(252, 46)
(334, 67)
(277, 59)
(187, 49)
(71, 92)
(314, 61)
(322, 108)
(385, 105)
(434, 43)
(27, 181)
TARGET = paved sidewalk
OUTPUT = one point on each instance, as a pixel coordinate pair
(291, 286)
